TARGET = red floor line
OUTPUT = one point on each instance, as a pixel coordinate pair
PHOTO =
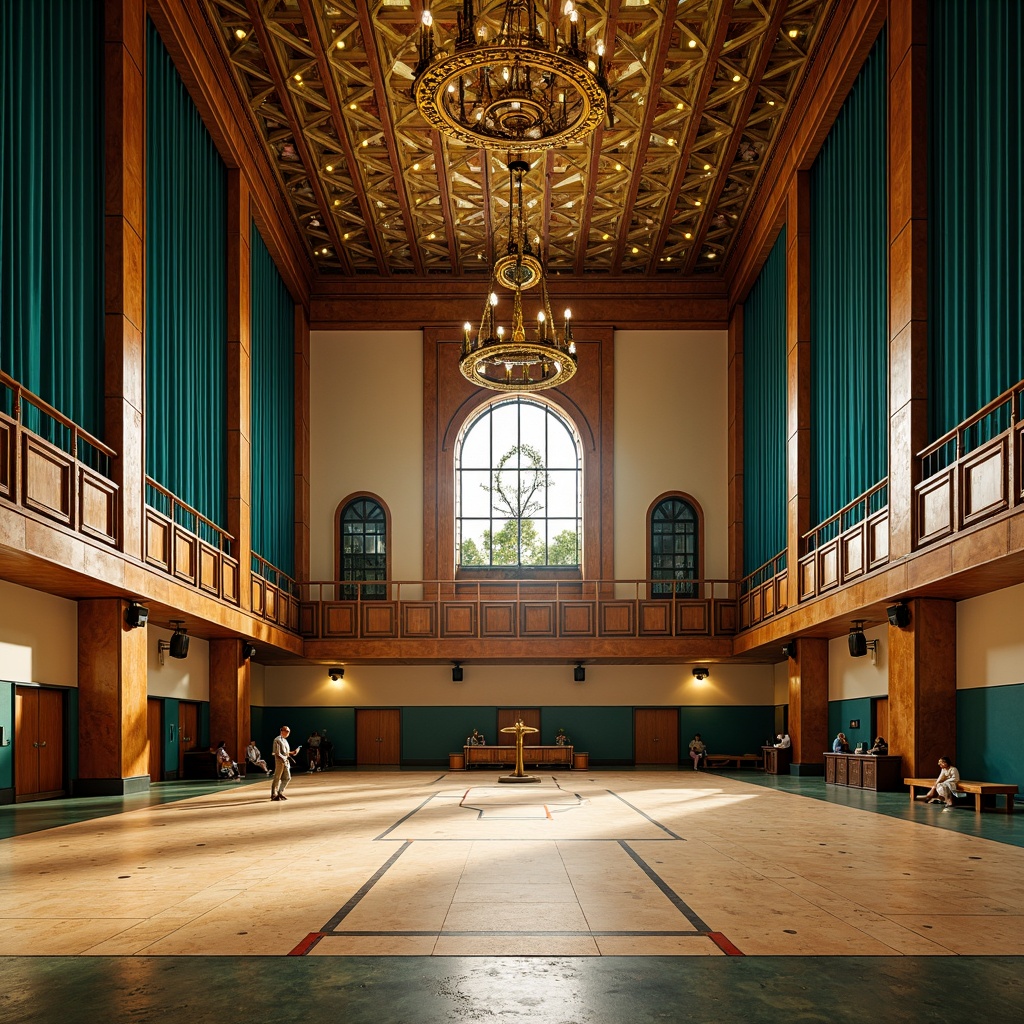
(724, 944)
(307, 944)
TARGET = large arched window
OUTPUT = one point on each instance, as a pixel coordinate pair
(518, 488)
(363, 546)
(674, 548)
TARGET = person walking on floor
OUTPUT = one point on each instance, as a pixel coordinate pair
(282, 765)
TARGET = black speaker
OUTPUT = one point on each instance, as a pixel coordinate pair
(248, 651)
(579, 674)
(789, 649)
(899, 615)
(178, 645)
(858, 644)
(136, 615)
(457, 673)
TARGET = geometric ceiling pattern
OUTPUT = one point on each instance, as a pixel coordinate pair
(699, 92)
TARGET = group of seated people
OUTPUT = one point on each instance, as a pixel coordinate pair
(840, 745)
(318, 757)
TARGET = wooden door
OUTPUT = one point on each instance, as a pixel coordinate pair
(38, 743)
(155, 732)
(508, 717)
(188, 732)
(378, 736)
(881, 719)
(656, 735)
(26, 741)
(51, 742)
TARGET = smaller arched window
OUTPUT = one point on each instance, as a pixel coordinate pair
(363, 527)
(674, 549)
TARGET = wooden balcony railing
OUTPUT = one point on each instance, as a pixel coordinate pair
(764, 593)
(51, 466)
(182, 542)
(523, 609)
(847, 545)
(274, 594)
(974, 472)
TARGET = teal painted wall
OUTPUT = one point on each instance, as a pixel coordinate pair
(988, 734)
(7, 721)
(339, 724)
(726, 730)
(842, 712)
(606, 734)
(431, 734)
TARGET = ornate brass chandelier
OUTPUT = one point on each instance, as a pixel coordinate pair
(512, 361)
(529, 85)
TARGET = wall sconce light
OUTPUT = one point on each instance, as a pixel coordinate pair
(336, 673)
(248, 651)
(701, 672)
(789, 649)
(857, 641)
(136, 615)
(579, 673)
(177, 646)
(456, 673)
(899, 615)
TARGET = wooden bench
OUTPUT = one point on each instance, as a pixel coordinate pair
(979, 789)
(720, 760)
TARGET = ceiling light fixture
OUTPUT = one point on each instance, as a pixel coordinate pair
(514, 362)
(531, 85)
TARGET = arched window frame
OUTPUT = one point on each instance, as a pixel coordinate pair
(339, 553)
(681, 589)
(537, 572)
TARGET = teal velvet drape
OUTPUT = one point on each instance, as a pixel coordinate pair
(186, 295)
(273, 411)
(849, 297)
(976, 215)
(764, 412)
(51, 207)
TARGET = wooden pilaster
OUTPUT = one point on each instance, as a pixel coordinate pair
(229, 697)
(808, 704)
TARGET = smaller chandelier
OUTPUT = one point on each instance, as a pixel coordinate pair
(530, 87)
(512, 361)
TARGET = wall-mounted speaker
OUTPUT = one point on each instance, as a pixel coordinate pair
(899, 615)
(178, 644)
(858, 643)
(579, 673)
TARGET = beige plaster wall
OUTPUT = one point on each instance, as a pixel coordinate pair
(184, 678)
(858, 677)
(548, 685)
(38, 637)
(780, 678)
(671, 434)
(990, 639)
(366, 434)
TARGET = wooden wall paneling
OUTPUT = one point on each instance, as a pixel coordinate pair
(692, 618)
(419, 619)
(270, 607)
(984, 475)
(112, 679)
(808, 701)
(798, 366)
(239, 378)
(726, 618)
(878, 539)
(209, 569)
(378, 619)
(576, 618)
(458, 619)
(185, 552)
(936, 500)
(908, 267)
(47, 484)
(309, 618)
(852, 546)
(157, 534)
(8, 458)
(340, 620)
(230, 697)
(125, 260)
(537, 618)
(655, 618)
(617, 618)
(97, 507)
(229, 580)
(498, 619)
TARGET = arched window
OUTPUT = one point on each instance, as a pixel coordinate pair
(518, 488)
(674, 524)
(363, 523)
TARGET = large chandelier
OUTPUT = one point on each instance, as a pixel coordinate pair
(530, 85)
(512, 361)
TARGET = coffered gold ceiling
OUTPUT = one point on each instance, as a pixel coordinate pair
(699, 90)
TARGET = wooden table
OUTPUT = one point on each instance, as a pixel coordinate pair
(535, 755)
(864, 771)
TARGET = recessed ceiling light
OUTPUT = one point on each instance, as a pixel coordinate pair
(692, 44)
(239, 33)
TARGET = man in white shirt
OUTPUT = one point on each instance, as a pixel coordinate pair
(282, 765)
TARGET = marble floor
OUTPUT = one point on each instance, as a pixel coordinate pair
(664, 864)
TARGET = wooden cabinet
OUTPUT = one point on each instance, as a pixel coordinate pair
(864, 771)
(38, 743)
(777, 760)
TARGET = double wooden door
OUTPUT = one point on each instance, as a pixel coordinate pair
(656, 736)
(38, 743)
(378, 736)
(188, 732)
(508, 717)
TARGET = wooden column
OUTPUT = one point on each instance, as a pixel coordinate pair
(808, 705)
(229, 697)
(125, 259)
(113, 741)
(922, 687)
(736, 444)
(798, 375)
(239, 398)
(908, 262)
(301, 444)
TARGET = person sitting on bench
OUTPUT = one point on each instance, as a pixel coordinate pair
(226, 767)
(698, 752)
(944, 789)
(252, 756)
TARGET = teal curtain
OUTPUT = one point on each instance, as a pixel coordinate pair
(51, 207)
(849, 298)
(764, 412)
(273, 411)
(976, 216)
(186, 295)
